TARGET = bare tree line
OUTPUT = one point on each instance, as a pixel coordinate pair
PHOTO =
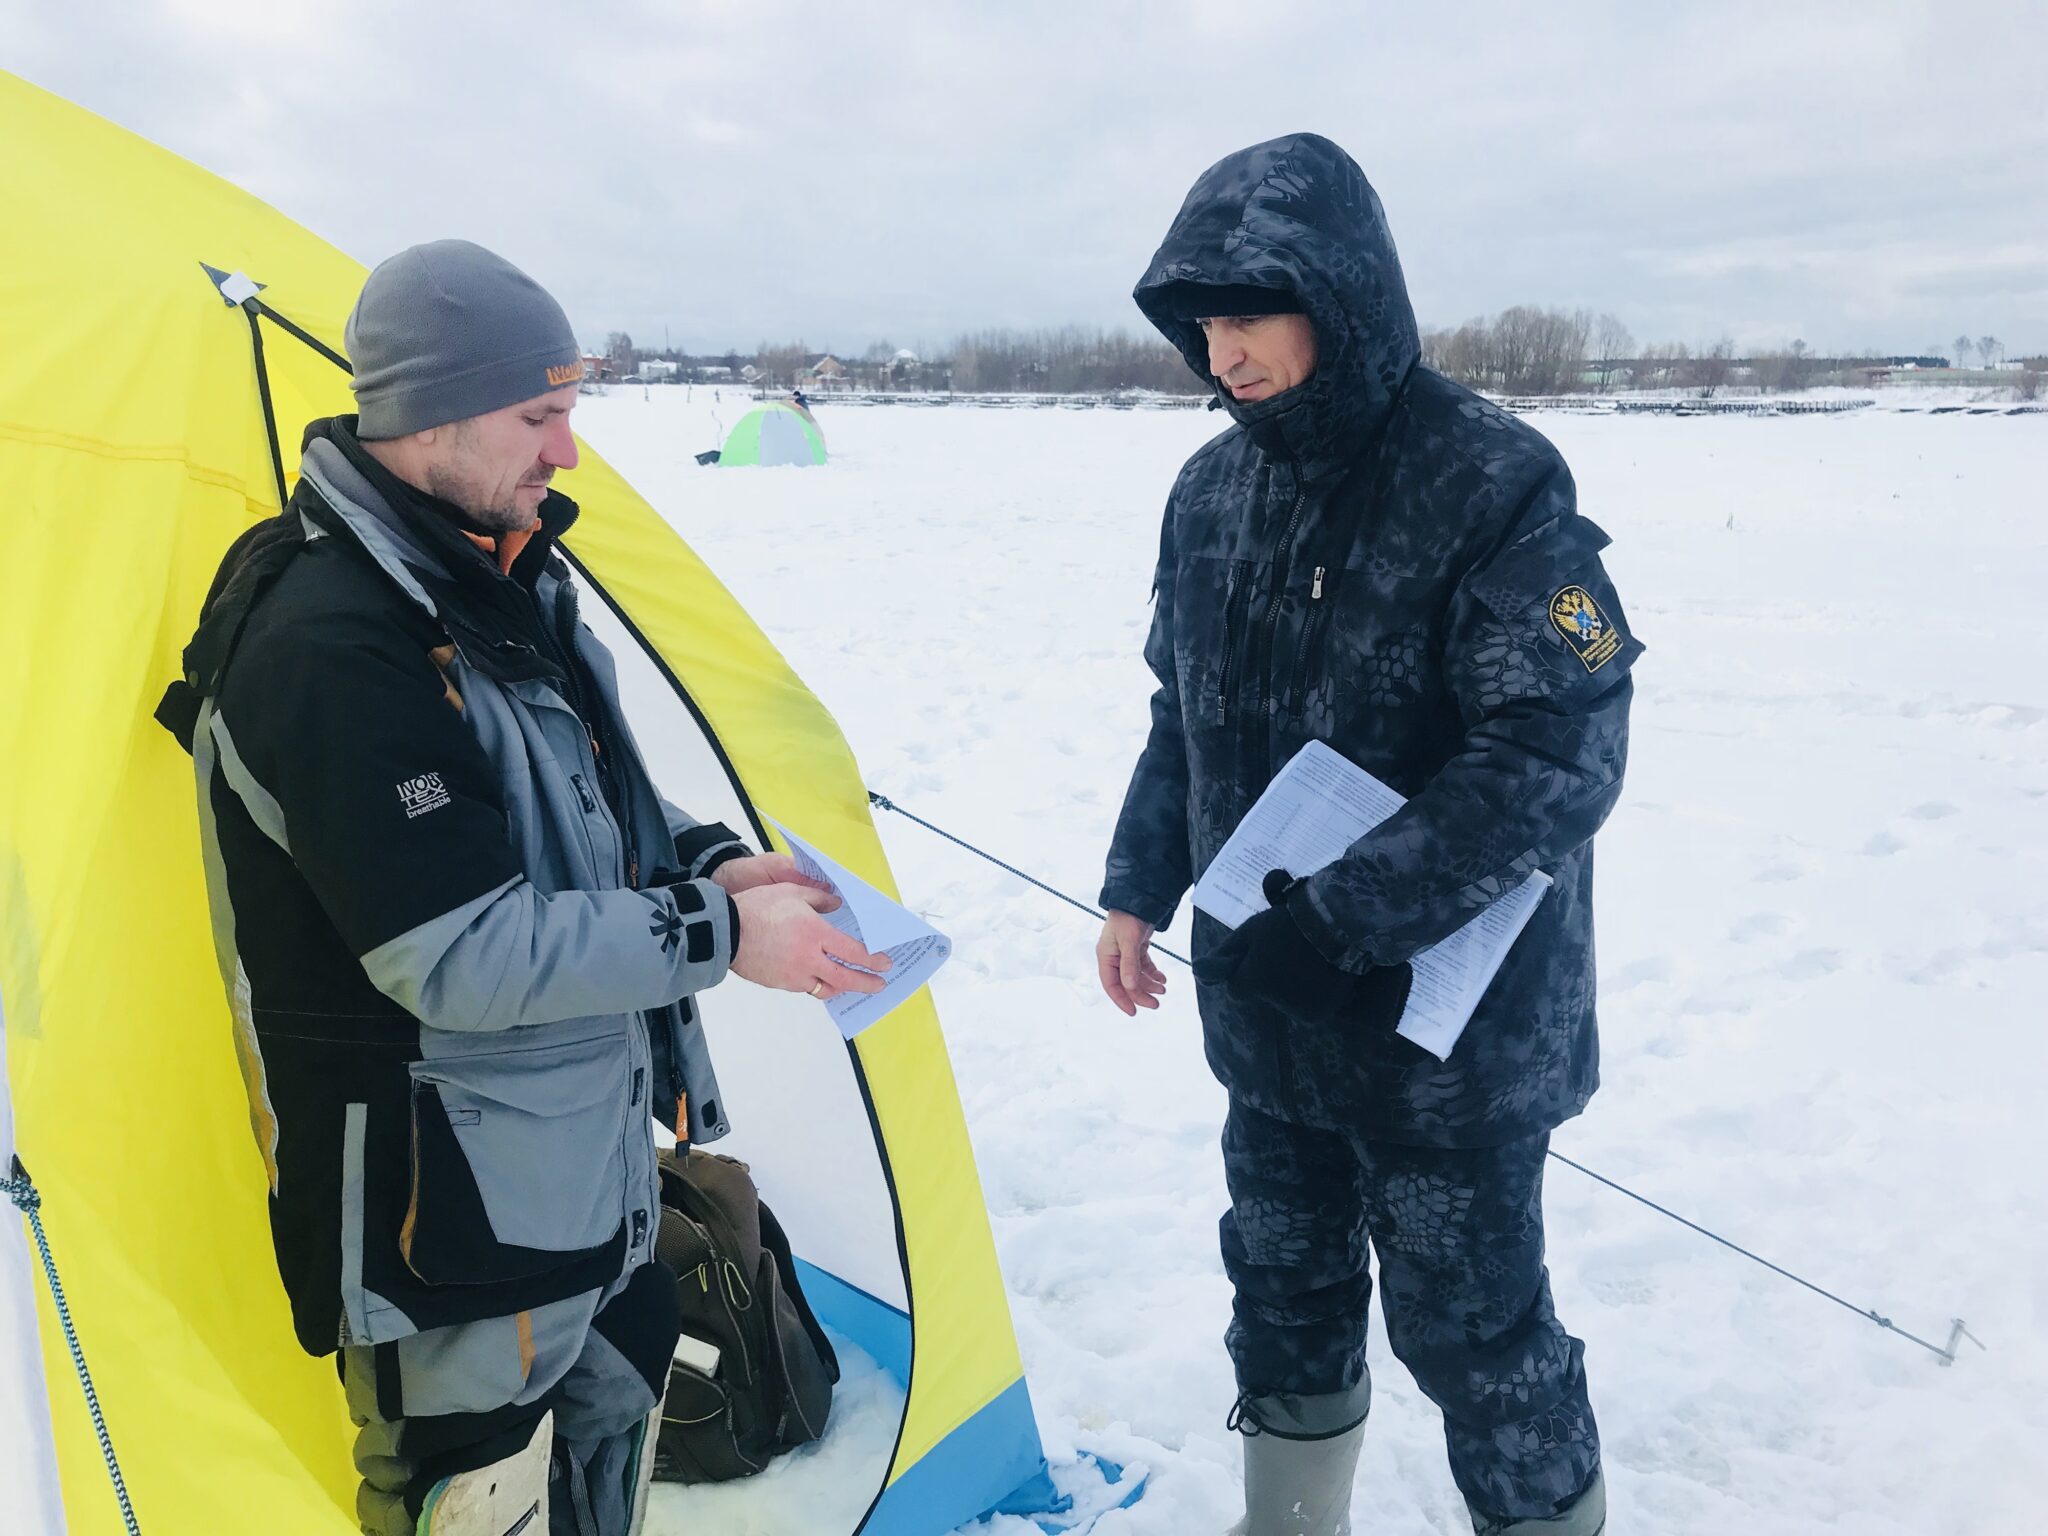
(1069, 360)
(1524, 350)
(1989, 350)
(1533, 351)
(1521, 351)
(1529, 350)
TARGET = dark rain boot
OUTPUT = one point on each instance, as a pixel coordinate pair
(1297, 1486)
(1586, 1517)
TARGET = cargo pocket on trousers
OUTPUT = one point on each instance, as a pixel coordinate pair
(517, 1166)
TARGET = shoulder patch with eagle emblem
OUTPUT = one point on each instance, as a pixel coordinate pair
(1585, 628)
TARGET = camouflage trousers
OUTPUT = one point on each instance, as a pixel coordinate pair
(1459, 1238)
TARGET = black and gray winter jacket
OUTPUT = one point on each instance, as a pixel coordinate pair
(459, 928)
(1380, 560)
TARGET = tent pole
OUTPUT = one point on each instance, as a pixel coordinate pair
(257, 307)
(269, 411)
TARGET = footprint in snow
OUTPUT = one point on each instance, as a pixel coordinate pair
(1637, 972)
(1811, 964)
(1760, 925)
(1933, 810)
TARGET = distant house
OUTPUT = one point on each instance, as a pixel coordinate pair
(596, 366)
(715, 373)
(826, 372)
(750, 373)
(659, 370)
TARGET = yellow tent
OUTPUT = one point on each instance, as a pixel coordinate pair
(134, 446)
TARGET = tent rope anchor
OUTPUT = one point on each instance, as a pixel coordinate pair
(22, 1190)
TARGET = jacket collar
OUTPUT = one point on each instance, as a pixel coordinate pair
(418, 538)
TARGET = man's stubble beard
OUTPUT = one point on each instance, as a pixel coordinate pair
(506, 516)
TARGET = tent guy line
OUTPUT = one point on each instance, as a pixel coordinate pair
(1957, 1331)
(21, 1189)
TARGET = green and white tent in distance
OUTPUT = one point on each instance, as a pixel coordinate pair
(773, 434)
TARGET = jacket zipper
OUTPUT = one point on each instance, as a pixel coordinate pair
(566, 612)
(1309, 627)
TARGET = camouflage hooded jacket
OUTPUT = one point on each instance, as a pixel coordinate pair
(1380, 560)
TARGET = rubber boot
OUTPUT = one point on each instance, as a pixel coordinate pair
(1586, 1517)
(1299, 1487)
(506, 1498)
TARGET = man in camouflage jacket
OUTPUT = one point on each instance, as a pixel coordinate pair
(1378, 559)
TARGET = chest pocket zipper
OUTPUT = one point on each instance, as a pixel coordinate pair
(1234, 589)
(1311, 631)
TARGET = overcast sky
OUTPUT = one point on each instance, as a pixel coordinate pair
(1854, 175)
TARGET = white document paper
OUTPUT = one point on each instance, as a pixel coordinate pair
(879, 925)
(1312, 812)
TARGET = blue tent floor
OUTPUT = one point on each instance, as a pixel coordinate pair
(996, 1449)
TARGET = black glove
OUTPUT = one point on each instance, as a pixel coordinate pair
(1270, 958)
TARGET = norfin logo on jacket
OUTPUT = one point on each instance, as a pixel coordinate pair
(1578, 618)
(423, 794)
(667, 927)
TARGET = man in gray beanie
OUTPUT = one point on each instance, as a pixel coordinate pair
(461, 932)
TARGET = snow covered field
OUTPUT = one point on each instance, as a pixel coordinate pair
(1823, 937)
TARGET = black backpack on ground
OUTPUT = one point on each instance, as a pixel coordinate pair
(736, 1284)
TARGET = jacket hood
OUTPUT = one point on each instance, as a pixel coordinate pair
(1296, 215)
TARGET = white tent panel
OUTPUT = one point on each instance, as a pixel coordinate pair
(798, 1116)
(783, 439)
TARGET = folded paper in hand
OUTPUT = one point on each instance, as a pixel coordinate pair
(879, 925)
(1312, 812)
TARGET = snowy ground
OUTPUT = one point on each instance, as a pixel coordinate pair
(1823, 937)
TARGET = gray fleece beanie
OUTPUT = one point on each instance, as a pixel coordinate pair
(447, 330)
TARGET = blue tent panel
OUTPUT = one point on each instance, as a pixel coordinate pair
(877, 1328)
(997, 1448)
(991, 1462)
